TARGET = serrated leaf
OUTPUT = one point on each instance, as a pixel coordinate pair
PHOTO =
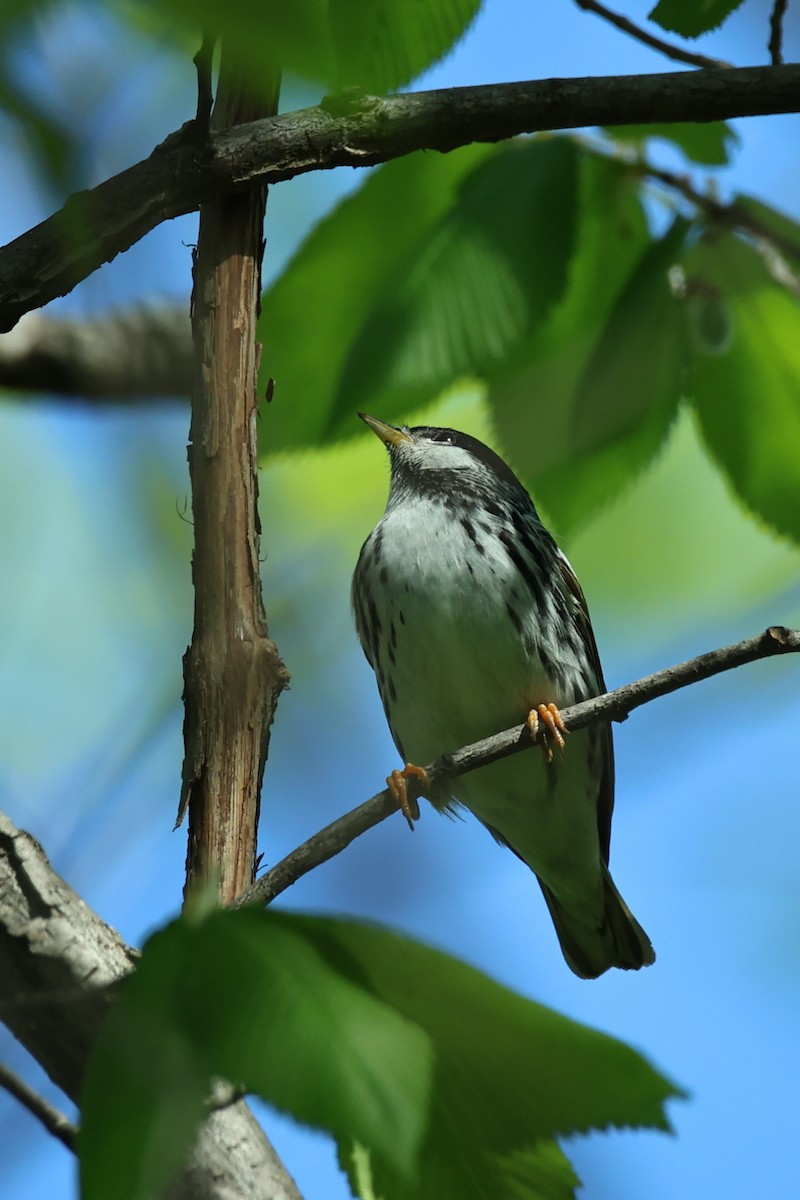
(449, 1083)
(747, 397)
(709, 143)
(690, 18)
(312, 315)
(488, 272)
(508, 1073)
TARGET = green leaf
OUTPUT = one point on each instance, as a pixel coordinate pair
(434, 1080)
(690, 18)
(377, 45)
(247, 996)
(533, 401)
(314, 312)
(639, 364)
(383, 44)
(746, 397)
(508, 1073)
(488, 272)
(709, 143)
(541, 1173)
(776, 224)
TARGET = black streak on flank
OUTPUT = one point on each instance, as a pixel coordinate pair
(526, 568)
(469, 529)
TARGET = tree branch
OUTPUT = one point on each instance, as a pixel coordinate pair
(233, 674)
(650, 39)
(53, 1120)
(59, 964)
(613, 706)
(770, 242)
(776, 32)
(187, 170)
(144, 352)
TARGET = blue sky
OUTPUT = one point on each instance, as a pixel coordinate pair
(97, 612)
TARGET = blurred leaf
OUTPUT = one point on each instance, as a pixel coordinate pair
(541, 1173)
(690, 18)
(377, 45)
(313, 313)
(710, 143)
(448, 1082)
(627, 397)
(775, 222)
(247, 996)
(639, 363)
(51, 147)
(490, 269)
(383, 44)
(533, 399)
(747, 398)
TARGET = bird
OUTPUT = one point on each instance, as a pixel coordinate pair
(473, 620)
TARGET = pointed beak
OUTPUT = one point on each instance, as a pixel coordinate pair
(389, 435)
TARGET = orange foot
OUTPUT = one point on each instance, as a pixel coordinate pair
(554, 729)
(397, 784)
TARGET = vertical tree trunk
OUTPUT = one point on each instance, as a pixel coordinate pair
(233, 674)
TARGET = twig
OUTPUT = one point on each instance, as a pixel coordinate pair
(52, 1118)
(650, 39)
(613, 706)
(776, 32)
(770, 243)
(96, 225)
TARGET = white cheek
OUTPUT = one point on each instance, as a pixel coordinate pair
(441, 457)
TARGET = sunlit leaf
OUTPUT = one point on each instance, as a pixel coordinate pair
(690, 18)
(312, 315)
(488, 272)
(747, 397)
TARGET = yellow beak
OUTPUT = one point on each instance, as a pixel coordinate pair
(388, 434)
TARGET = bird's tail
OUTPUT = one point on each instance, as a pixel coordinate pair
(589, 949)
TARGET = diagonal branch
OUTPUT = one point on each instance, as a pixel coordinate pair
(677, 53)
(52, 1118)
(613, 706)
(188, 169)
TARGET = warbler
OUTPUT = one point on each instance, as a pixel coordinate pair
(473, 621)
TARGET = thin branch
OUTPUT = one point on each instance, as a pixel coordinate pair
(650, 39)
(771, 243)
(185, 171)
(613, 706)
(52, 1118)
(776, 31)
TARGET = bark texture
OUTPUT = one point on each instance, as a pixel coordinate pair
(232, 672)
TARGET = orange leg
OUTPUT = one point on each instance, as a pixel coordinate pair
(554, 729)
(397, 784)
